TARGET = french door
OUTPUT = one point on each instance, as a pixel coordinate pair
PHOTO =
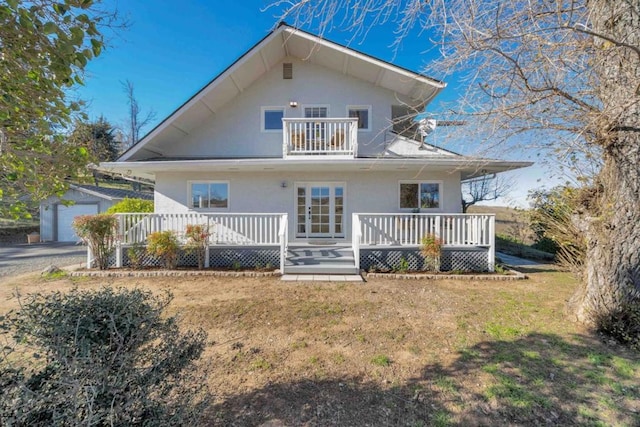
(316, 132)
(320, 210)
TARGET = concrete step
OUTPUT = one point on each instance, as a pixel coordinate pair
(330, 259)
(346, 269)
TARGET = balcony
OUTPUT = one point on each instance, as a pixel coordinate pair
(320, 137)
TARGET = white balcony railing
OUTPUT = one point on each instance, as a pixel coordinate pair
(320, 136)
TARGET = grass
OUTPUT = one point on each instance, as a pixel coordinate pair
(386, 352)
(381, 360)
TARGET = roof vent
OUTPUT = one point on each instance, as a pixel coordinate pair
(287, 70)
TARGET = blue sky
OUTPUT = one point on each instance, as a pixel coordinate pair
(172, 49)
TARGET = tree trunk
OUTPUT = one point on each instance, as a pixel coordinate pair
(613, 254)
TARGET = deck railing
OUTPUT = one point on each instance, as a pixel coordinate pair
(283, 235)
(320, 136)
(356, 235)
(409, 229)
(225, 228)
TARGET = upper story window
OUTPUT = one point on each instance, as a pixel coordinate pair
(362, 113)
(272, 119)
(420, 195)
(316, 111)
(208, 195)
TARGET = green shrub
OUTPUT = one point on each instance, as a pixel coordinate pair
(136, 254)
(100, 233)
(403, 265)
(164, 245)
(106, 357)
(622, 324)
(127, 205)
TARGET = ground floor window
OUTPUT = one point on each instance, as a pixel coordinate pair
(209, 195)
(420, 195)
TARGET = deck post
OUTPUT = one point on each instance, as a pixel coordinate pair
(118, 255)
(356, 233)
(89, 257)
(491, 254)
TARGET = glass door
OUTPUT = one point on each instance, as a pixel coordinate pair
(316, 131)
(319, 210)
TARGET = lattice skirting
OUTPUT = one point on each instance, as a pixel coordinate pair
(241, 257)
(219, 257)
(454, 259)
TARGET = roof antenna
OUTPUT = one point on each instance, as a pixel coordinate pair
(425, 127)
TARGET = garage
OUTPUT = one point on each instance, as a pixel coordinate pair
(66, 214)
(56, 214)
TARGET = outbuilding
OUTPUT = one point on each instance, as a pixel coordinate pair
(56, 218)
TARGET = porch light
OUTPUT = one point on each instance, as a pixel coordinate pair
(293, 104)
(283, 184)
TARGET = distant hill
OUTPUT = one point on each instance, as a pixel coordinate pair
(509, 221)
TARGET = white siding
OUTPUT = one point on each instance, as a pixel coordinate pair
(235, 130)
(366, 192)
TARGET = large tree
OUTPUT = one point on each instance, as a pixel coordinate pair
(563, 76)
(99, 137)
(44, 48)
(136, 121)
(484, 189)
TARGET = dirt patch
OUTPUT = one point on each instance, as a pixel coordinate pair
(393, 352)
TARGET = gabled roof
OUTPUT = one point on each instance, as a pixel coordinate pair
(285, 41)
(110, 193)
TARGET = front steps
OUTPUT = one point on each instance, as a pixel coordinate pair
(320, 259)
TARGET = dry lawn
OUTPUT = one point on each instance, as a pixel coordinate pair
(386, 352)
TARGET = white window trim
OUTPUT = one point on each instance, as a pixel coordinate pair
(440, 191)
(315, 106)
(263, 110)
(216, 181)
(361, 107)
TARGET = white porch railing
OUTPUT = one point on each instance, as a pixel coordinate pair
(320, 136)
(225, 228)
(455, 230)
(356, 234)
(283, 235)
(409, 229)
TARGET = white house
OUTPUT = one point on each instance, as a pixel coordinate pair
(303, 154)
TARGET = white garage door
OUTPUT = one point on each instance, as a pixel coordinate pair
(65, 218)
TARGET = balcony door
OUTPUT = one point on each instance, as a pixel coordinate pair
(316, 132)
(320, 210)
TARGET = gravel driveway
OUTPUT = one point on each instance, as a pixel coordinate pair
(23, 258)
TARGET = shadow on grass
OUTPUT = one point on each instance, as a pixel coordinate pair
(539, 379)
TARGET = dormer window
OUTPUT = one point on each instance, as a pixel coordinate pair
(362, 113)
